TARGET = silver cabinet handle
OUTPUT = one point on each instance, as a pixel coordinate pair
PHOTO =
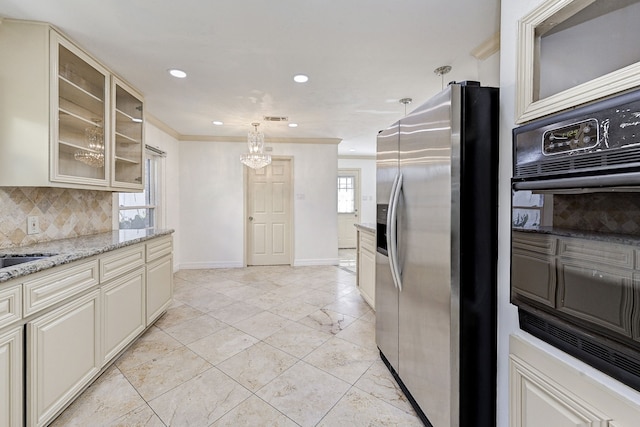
(250, 218)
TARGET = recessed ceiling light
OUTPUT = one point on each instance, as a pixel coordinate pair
(293, 125)
(217, 123)
(177, 73)
(300, 78)
(352, 149)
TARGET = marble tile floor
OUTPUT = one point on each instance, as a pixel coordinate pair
(347, 259)
(258, 346)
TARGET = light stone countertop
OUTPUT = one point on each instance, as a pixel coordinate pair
(370, 227)
(68, 250)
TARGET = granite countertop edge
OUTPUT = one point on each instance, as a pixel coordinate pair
(366, 227)
(73, 249)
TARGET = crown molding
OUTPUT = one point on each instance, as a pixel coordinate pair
(361, 157)
(212, 138)
(487, 48)
(153, 120)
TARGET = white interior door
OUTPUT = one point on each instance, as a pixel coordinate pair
(269, 214)
(348, 207)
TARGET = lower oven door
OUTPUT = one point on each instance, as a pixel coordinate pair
(575, 254)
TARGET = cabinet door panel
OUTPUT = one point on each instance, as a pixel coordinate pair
(63, 354)
(596, 293)
(159, 287)
(11, 378)
(124, 312)
(128, 137)
(79, 116)
(537, 402)
(533, 276)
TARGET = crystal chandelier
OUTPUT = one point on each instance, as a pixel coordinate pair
(256, 158)
(94, 154)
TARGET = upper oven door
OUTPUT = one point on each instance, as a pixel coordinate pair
(589, 146)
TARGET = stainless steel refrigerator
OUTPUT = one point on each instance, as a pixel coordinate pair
(436, 257)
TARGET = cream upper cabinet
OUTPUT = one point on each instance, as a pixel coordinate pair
(128, 136)
(80, 88)
(65, 119)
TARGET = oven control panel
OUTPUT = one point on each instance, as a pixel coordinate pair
(573, 137)
(601, 138)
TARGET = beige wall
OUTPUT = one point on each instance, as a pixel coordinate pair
(212, 203)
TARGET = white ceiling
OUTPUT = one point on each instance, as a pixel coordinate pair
(362, 56)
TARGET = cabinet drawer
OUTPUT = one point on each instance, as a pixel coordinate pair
(536, 242)
(120, 262)
(158, 248)
(10, 305)
(368, 242)
(58, 284)
(595, 251)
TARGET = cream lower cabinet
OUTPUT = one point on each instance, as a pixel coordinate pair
(63, 354)
(366, 266)
(159, 287)
(159, 277)
(11, 410)
(546, 392)
(79, 317)
(123, 308)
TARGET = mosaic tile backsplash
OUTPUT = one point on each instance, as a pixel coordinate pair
(62, 213)
(599, 212)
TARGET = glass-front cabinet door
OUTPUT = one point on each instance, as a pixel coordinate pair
(80, 101)
(128, 137)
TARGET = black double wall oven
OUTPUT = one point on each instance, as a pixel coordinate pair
(575, 239)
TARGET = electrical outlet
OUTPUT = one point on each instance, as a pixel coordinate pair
(33, 225)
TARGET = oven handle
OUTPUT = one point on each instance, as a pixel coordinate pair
(630, 179)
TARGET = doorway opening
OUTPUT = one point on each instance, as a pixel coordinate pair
(348, 207)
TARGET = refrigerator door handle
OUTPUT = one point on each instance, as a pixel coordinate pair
(391, 234)
(393, 246)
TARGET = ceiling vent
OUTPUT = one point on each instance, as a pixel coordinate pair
(275, 118)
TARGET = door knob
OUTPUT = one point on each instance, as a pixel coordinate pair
(250, 218)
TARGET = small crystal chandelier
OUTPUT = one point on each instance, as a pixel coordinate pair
(94, 155)
(256, 158)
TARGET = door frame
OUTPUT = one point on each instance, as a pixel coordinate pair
(245, 203)
(357, 172)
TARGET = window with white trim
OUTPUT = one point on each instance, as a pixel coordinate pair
(142, 210)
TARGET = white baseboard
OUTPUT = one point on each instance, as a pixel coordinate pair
(207, 265)
(310, 262)
(233, 264)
